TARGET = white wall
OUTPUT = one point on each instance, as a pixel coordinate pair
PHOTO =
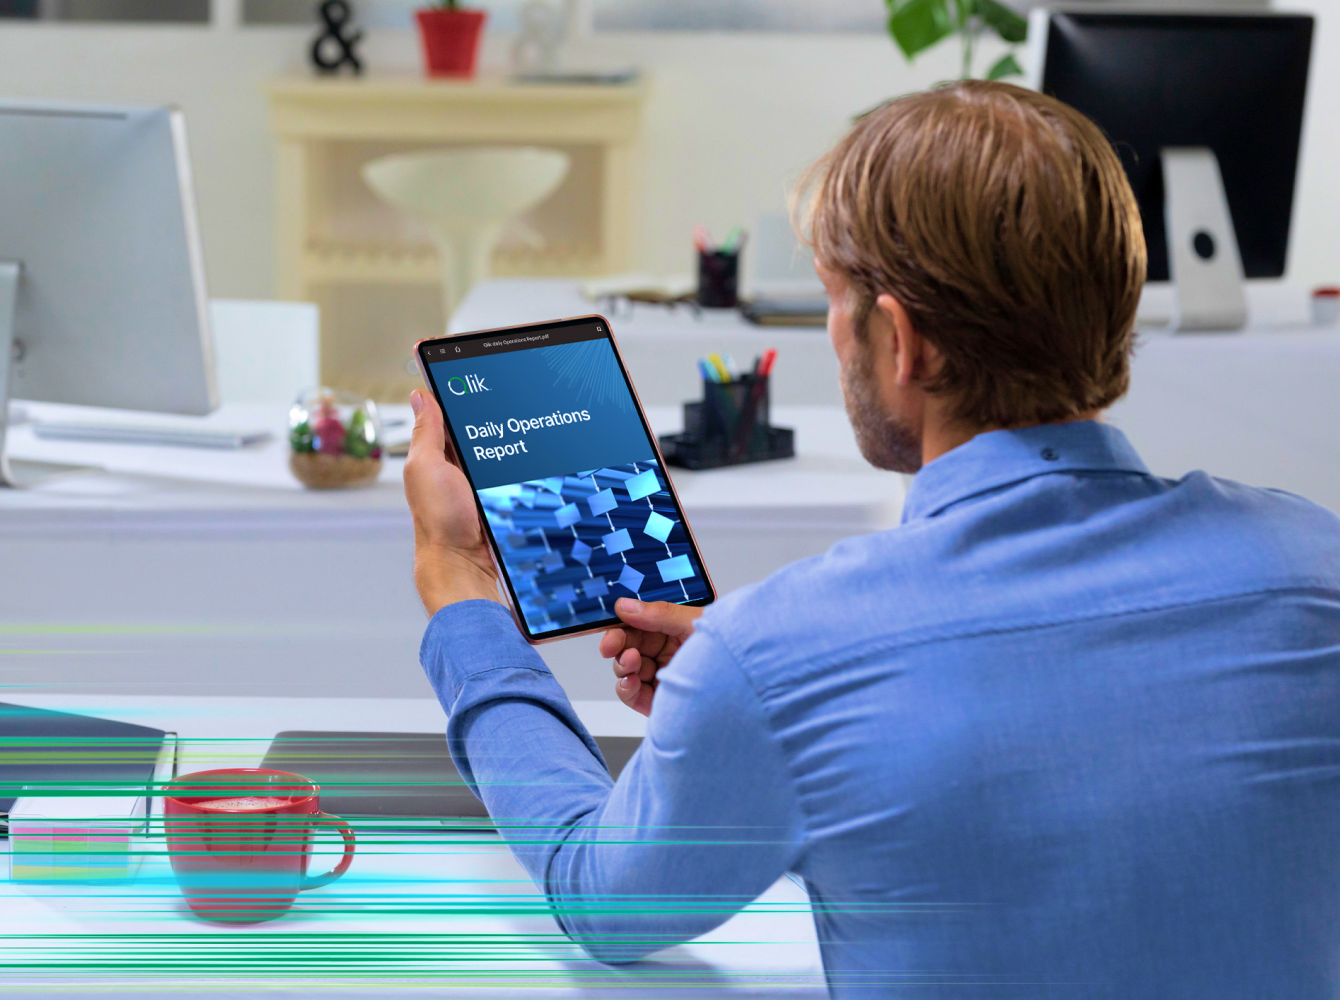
(731, 119)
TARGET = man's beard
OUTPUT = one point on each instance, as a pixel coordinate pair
(885, 443)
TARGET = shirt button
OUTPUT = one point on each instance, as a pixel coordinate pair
(1050, 454)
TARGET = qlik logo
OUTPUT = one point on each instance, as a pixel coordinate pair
(463, 385)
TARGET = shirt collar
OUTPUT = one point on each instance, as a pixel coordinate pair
(1002, 458)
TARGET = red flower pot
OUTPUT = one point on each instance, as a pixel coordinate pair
(450, 40)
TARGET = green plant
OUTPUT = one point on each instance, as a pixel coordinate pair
(917, 25)
(446, 4)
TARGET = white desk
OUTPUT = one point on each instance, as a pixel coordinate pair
(202, 572)
(429, 913)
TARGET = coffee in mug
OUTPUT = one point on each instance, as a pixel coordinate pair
(240, 840)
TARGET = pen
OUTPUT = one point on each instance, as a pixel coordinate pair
(733, 238)
(715, 360)
(709, 373)
(701, 238)
(748, 426)
(731, 366)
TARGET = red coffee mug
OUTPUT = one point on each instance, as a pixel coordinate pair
(239, 841)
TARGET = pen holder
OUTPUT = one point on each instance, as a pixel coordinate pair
(718, 279)
(729, 426)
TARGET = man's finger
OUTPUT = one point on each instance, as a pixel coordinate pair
(642, 703)
(636, 695)
(648, 672)
(614, 642)
(653, 644)
(627, 688)
(628, 662)
(662, 617)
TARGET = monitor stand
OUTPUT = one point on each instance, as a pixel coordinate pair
(1203, 259)
(17, 474)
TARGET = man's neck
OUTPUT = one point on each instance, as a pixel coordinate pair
(942, 436)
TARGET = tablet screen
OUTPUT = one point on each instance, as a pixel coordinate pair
(578, 509)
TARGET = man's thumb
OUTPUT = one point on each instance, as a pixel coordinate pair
(657, 616)
(428, 431)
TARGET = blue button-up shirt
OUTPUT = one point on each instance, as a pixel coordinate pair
(1070, 730)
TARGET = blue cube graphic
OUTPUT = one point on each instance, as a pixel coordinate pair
(581, 552)
(630, 578)
(595, 587)
(644, 484)
(526, 498)
(678, 568)
(516, 541)
(658, 527)
(551, 562)
(568, 515)
(602, 502)
(554, 484)
(617, 541)
(565, 594)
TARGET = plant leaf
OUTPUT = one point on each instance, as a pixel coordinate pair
(1007, 24)
(1005, 66)
(916, 25)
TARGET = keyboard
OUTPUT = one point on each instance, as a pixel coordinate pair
(112, 433)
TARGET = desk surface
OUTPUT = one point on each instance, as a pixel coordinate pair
(828, 472)
(417, 913)
(203, 572)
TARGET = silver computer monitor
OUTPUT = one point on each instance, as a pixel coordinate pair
(1205, 110)
(102, 277)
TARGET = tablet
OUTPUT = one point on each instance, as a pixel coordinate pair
(576, 503)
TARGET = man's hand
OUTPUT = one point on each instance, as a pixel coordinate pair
(652, 634)
(451, 558)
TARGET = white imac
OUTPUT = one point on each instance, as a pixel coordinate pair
(102, 277)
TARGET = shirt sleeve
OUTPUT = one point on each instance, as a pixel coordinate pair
(701, 821)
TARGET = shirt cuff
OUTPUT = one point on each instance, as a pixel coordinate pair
(476, 659)
(468, 638)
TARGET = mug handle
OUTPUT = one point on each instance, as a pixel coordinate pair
(346, 831)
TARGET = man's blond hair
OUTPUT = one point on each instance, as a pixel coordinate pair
(1003, 222)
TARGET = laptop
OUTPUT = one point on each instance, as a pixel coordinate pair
(398, 776)
(46, 755)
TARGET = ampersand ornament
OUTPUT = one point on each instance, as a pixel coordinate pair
(332, 50)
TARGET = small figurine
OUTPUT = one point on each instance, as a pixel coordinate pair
(336, 14)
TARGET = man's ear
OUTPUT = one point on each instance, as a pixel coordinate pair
(911, 355)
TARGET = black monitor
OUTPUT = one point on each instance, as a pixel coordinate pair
(1232, 82)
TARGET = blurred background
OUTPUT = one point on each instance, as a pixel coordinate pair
(739, 96)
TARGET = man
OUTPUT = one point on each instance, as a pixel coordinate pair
(1071, 730)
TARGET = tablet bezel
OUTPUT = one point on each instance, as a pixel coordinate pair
(421, 350)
